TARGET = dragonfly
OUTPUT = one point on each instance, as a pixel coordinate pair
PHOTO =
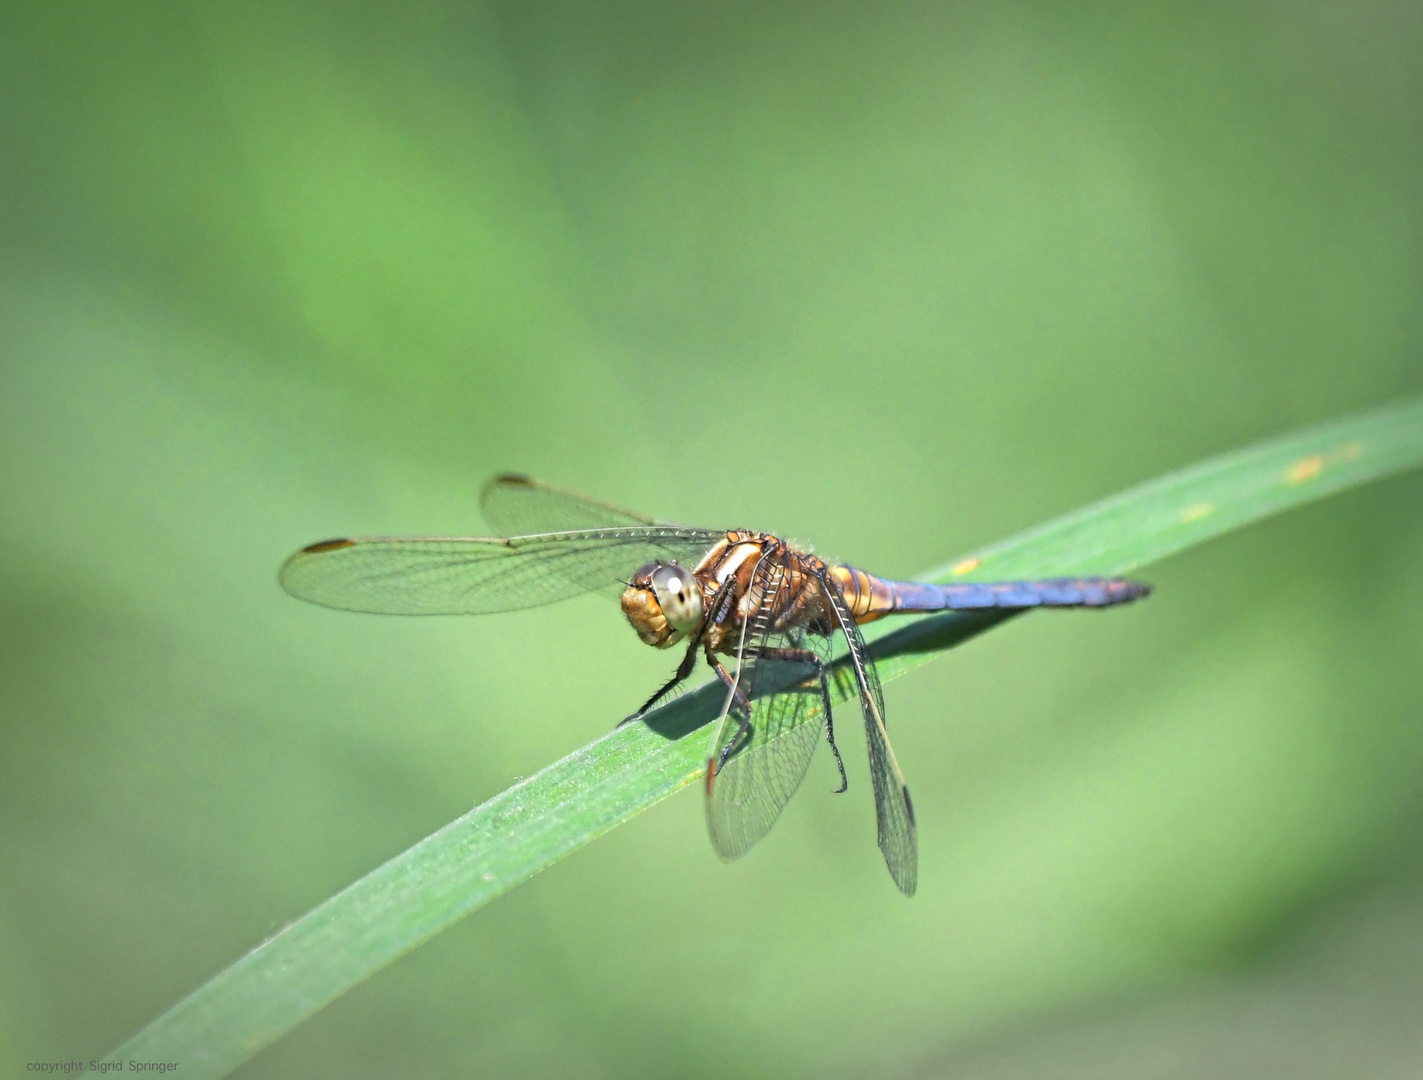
(779, 626)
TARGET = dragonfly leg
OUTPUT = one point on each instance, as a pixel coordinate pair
(683, 670)
(721, 604)
(718, 611)
(740, 704)
(689, 661)
(805, 656)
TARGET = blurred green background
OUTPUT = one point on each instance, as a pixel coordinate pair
(898, 279)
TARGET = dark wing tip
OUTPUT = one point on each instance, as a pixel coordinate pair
(327, 545)
(513, 479)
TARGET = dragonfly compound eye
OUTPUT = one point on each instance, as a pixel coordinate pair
(644, 610)
(679, 596)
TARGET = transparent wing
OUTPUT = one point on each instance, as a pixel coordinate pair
(782, 682)
(894, 813)
(432, 576)
(519, 505)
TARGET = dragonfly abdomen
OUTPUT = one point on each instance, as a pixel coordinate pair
(910, 596)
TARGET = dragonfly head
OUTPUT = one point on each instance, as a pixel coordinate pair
(664, 603)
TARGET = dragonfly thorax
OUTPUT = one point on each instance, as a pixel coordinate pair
(664, 603)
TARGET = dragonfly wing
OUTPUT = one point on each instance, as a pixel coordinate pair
(894, 813)
(747, 793)
(520, 505)
(432, 576)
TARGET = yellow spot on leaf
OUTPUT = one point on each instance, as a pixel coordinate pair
(1305, 469)
(1351, 451)
(1196, 511)
(967, 565)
